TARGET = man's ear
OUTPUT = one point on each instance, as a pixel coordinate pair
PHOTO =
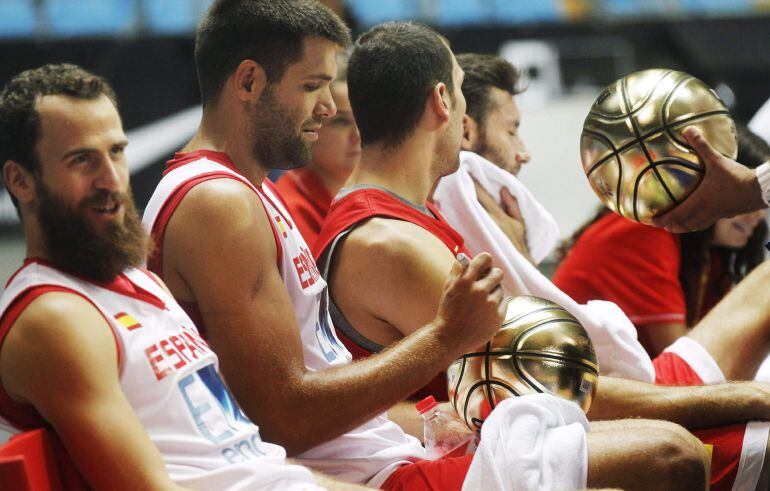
(19, 181)
(470, 133)
(250, 80)
(440, 102)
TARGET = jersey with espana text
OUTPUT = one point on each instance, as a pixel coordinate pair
(367, 454)
(169, 376)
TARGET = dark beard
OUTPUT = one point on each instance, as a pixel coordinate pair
(72, 243)
(277, 145)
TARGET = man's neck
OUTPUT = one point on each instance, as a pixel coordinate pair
(330, 182)
(405, 170)
(34, 237)
(219, 133)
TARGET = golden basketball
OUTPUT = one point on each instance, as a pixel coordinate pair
(632, 150)
(539, 348)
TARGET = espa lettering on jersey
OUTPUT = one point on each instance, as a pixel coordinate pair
(307, 271)
(176, 351)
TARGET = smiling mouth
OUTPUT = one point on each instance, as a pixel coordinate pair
(107, 209)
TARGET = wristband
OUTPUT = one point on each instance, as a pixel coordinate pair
(763, 177)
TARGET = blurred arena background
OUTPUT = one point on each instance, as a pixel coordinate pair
(569, 50)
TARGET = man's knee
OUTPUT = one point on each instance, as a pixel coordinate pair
(677, 457)
(642, 454)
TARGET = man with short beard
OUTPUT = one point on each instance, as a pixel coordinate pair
(232, 255)
(90, 345)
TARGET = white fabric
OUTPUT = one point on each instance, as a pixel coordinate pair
(699, 359)
(760, 123)
(763, 177)
(613, 334)
(534, 442)
(367, 454)
(168, 375)
(752, 456)
(542, 230)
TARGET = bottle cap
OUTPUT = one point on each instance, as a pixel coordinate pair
(425, 404)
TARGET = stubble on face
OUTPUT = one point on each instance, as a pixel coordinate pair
(75, 245)
(493, 154)
(277, 134)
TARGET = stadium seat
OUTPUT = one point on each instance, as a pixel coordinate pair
(17, 18)
(369, 12)
(36, 461)
(461, 12)
(634, 7)
(90, 17)
(717, 7)
(524, 11)
(170, 16)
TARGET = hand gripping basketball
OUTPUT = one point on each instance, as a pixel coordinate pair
(471, 308)
(728, 189)
(632, 149)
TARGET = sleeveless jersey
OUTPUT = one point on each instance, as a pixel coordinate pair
(345, 214)
(169, 376)
(369, 453)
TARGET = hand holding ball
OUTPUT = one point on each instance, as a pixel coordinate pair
(632, 149)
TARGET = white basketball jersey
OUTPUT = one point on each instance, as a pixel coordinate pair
(169, 376)
(367, 454)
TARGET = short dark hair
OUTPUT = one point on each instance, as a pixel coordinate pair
(270, 32)
(482, 72)
(391, 72)
(19, 122)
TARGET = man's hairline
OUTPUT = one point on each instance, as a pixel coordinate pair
(214, 98)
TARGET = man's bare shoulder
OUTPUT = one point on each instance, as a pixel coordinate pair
(218, 202)
(393, 239)
(56, 330)
(217, 218)
(55, 314)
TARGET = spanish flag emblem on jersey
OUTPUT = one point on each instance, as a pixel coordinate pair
(127, 321)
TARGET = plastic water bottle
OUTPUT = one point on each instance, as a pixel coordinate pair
(445, 434)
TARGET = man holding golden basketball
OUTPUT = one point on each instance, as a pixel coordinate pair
(411, 261)
(728, 189)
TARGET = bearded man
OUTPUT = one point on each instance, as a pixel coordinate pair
(91, 346)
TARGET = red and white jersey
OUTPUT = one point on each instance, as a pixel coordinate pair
(169, 376)
(367, 454)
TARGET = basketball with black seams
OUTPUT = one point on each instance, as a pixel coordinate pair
(540, 348)
(632, 148)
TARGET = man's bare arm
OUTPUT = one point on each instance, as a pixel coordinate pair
(655, 337)
(692, 407)
(60, 357)
(219, 242)
(728, 189)
(406, 416)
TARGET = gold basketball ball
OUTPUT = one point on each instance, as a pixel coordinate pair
(632, 148)
(539, 348)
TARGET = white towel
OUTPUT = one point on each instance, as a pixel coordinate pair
(534, 442)
(760, 123)
(542, 230)
(613, 335)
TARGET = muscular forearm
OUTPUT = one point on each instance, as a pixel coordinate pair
(345, 397)
(692, 407)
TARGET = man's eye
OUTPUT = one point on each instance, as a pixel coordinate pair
(312, 87)
(79, 159)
